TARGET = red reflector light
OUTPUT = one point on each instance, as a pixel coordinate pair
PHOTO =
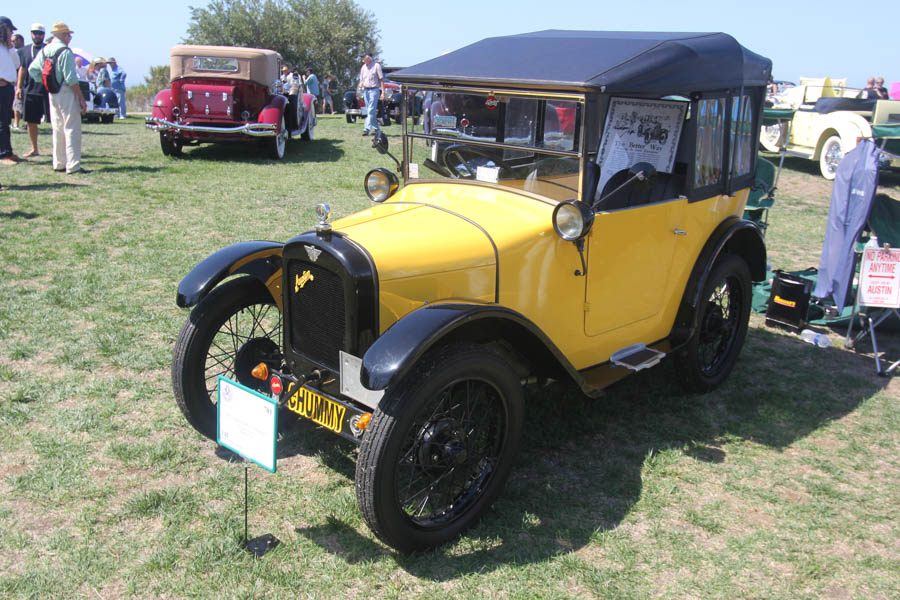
(275, 384)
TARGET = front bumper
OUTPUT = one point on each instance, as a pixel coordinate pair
(102, 111)
(251, 129)
(353, 111)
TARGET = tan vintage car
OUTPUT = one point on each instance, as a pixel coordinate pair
(823, 121)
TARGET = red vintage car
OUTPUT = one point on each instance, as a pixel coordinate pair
(228, 94)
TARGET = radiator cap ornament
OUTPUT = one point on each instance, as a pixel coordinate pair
(323, 211)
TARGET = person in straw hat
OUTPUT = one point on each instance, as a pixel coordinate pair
(67, 105)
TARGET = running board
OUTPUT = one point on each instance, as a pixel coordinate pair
(636, 357)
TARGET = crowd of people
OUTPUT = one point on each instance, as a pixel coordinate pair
(25, 98)
(296, 83)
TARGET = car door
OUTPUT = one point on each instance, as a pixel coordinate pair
(629, 257)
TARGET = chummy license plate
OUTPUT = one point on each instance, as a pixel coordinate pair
(330, 414)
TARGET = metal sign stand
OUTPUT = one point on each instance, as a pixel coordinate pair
(262, 544)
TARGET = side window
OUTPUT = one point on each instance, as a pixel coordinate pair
(741, 136)
(709, 156)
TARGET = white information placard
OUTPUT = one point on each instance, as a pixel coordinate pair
(879, 278)
(487, 174)
(247, 423)
(639, 130)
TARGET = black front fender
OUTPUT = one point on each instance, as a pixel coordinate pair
(258, 259)
(404, 342)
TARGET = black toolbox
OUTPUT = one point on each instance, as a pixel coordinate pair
(788, 301)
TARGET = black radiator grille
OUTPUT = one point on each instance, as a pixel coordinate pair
(318, 314)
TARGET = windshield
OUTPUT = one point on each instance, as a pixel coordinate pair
(524, 142)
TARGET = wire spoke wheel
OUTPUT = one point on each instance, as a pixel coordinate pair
(255, 322)
(440, 447)
(832, 153)
(450, 454)
(231, 330)
(722, 318)
(720, 326)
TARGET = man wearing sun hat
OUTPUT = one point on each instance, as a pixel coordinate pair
(67, 105)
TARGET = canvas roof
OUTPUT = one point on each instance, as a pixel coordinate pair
(611, 61)
(254, 64)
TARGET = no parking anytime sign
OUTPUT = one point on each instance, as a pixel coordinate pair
(879, 278)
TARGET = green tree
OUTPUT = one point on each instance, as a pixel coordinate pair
(328, 36)
(140, 97)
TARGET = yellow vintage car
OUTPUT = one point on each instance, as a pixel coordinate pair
(568, 207)
(825, 121)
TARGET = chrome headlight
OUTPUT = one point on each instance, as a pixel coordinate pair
(381, 184)
(572, 220)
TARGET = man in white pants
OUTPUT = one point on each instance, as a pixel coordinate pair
(67, 105)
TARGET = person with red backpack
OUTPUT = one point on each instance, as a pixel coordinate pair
(55, 66)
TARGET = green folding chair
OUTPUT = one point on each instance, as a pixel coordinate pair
(762, 194)
(884, 223)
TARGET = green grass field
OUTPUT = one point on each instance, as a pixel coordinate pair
(782, 484)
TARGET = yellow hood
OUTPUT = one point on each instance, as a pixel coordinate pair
(435, 241)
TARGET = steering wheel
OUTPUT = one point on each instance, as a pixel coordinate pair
(456, 159)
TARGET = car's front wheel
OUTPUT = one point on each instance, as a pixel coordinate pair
(722, 319)
(830, 157)
(230, 331)
(351, 118)
(440, 447)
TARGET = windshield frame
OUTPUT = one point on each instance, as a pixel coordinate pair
(579, 154)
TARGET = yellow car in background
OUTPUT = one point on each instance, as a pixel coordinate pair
(571, 208)
(826, 121)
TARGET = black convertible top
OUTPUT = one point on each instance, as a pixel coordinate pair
(592, 61)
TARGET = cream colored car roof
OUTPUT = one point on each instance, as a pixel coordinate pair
(253, 64)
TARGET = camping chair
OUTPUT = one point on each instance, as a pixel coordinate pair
(884, 224)
(762, 194)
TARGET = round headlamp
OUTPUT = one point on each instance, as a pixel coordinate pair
(381, 184)
(572, 220)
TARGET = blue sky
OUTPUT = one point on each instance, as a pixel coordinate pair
(831, 38)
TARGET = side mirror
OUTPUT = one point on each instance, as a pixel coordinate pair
(644, 175)
(380, 142)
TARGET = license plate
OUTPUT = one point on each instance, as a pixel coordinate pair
(318, 409)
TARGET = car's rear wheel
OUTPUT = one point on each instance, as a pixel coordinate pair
(229, 332)
(292, 113)
(830, 157)
(311, 126)
(169, 147)
(724, 312)
(440, 447)
(277, 144)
